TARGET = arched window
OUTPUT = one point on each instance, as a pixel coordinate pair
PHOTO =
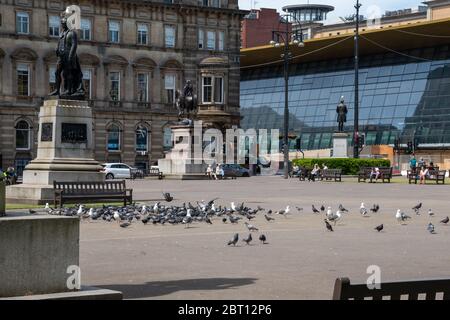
(114, 138)
(167, 140)
(23, 135)
(141, 139)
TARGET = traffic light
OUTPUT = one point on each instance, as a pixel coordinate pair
(361, 141)
(416, 143)
(410, 147)
(397, 144)
(298, 144)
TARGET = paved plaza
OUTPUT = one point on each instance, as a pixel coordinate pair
(301, 260)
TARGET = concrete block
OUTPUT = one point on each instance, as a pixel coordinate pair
(35, 253)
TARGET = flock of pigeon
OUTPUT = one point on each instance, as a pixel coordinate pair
(400, 216)
(186, 214)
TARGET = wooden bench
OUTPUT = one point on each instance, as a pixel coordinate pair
(85, 191)
(332, 174)
(154, 172)
(343, 290)
(433, 175)
(385, 174)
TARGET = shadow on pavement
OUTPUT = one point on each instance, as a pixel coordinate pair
(160, 288)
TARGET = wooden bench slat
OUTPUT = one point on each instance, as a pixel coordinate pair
(343, 290)
(91, 190)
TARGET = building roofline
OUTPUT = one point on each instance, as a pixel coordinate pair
(390, 37)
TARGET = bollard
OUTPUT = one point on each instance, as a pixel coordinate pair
(2, 197)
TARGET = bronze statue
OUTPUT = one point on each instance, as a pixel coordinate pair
(186, 101)
(68, 65)
(341, 110)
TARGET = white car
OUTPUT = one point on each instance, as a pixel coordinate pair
(119, 171)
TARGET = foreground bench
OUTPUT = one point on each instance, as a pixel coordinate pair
(343, 290)
(433, 175)
(332, 174)
(86, 191)
(385, 174)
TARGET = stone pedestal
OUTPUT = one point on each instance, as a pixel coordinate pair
(184, 161)
(340, 145)
(65, 152)
(39, 256)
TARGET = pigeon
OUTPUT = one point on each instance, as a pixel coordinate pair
(125, 225)
(234, 240)
(263, 239)
(299, 209)
(47, 207)
(208, 220)
(224, 220)
(430, 213)
(417, 208)
(375, 208)
(342, 209)
(269, 212)
(379, 228)
(250, 227)
(329, 211)
(248, 239)
(315, 210)
(445, 221)
(430, 228)
(322, 208)
(269, 218)
(31, 211)
(363, 210)
(401, 217)
(334, 217)
(284, 212)
(329, 227)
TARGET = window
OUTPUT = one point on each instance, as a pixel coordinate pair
(169, 85)
(167, 139)
(22, 22)
(169, 32)
(211, 3)
(52, 78)
(23, 135)
(218, 90)
(142, 33)
(23, 79)
(211, 40)
(207, 89)
(86, 27)
(114, 93)
(53, 26)
(212, 89)
(221, 40)
(142, 83)
(87, 82)
(114, 138)
(201, 38)
(141, 139)
(114, 29)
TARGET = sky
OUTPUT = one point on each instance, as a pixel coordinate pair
(343, 8)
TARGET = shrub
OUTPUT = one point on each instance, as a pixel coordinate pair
(349, 166)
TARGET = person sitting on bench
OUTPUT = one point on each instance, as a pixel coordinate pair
(375, 173)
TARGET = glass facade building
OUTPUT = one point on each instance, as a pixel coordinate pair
(403, 95)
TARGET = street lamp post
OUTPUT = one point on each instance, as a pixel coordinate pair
(356, 116)
(297, 39)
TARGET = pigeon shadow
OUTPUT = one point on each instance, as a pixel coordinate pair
(161, 288)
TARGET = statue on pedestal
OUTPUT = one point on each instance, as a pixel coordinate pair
(341, 110)
(186, 102)
(68, 65)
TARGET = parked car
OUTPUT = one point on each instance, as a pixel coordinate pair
(235, 170)
(120, 171)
